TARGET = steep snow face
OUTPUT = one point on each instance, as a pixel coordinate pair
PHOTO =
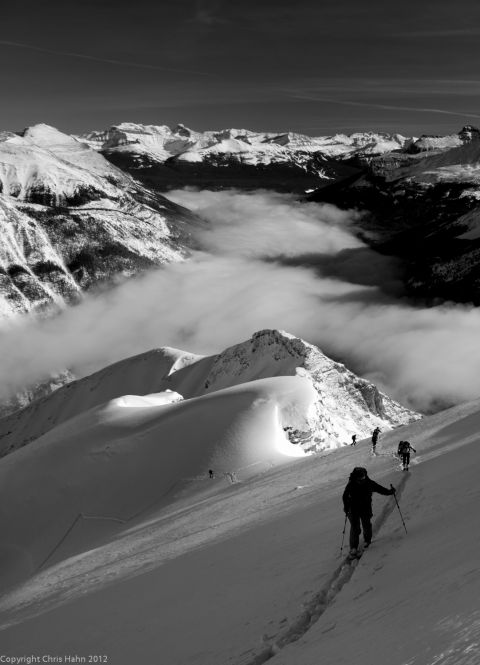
(343, 403)
(46, 166)
(33, 273)
(69, 219)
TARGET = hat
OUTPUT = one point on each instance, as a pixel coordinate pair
(358, 472)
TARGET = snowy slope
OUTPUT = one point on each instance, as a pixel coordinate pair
(161, 439)
(247, 572)
(345, 404)
(45, 166)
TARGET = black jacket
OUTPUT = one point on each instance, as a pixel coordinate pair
(357, 497)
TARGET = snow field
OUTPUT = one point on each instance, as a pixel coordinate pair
(231, 575)
(119, 459)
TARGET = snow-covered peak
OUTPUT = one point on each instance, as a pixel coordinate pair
(428, 143)
(155, 141)
(344, 404)
(160, 143)
(45, 165)
(61, 204)
(47, 136)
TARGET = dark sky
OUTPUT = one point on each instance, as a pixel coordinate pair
(316, 67)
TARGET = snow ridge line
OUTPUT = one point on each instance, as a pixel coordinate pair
(322, 600)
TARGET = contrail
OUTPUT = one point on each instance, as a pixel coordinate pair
(381, 106)
(109, 61)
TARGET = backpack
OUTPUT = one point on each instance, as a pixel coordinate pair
(403, 447)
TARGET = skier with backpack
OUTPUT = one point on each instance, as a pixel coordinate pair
(357, 505)
(404, 448)
(375, 434)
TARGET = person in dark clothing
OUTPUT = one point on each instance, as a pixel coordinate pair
(357, 504)
(375, 434)
(354, 439)
(210, 473)
(404, 448)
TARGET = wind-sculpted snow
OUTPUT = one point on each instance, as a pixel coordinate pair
(344, 404)
(249, 570)
(157, 447)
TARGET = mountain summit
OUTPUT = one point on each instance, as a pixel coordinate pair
(340, 403)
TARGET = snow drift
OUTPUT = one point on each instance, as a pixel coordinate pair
(345, 403)
(120, 459)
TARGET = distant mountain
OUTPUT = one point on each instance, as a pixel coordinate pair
(423, 205)
(163, 158)
(344, 404)
(69, 220)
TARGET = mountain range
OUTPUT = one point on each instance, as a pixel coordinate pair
(182, 508)
(79, 213)
(76, 212)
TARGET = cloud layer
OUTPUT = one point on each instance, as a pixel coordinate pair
(252, 274)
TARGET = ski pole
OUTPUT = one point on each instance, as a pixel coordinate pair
(401, 516)
(343, 534)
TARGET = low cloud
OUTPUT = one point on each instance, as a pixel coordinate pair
(266, 224)
(242, 282)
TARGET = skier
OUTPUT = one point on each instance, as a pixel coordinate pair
(210, 473)
(375, 434)
(354, 439)
(357, 504)
(404, 448)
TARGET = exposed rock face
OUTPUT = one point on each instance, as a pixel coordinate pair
(346, 404)
(424, 208)
(69, 220)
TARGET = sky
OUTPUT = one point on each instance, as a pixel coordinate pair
(316, 67)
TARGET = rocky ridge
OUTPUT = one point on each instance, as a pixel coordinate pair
(346, 404)
(424, 207)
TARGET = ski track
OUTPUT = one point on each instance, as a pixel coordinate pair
(320, 602)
